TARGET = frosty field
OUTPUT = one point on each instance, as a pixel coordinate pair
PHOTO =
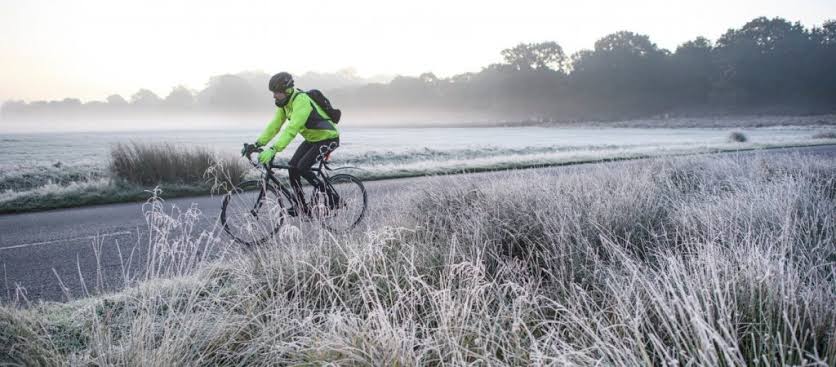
(714, 261)
(67, 169)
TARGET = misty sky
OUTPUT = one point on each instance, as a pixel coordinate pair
(90, 49)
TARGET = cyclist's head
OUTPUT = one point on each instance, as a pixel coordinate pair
(281, 85)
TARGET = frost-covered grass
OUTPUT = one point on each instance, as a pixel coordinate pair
(143, 163)
(37, 175)
(98, 189)
(737, 137)
(20, 177)
(731, 121)
(553, 157)
(135, 169)
(825, 135)
(688, 261)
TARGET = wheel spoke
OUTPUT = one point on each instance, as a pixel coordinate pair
(250, 215)
(345, 207)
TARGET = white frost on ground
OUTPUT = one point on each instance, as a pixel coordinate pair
(41, 166)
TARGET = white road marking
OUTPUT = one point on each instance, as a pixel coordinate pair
(66, 240)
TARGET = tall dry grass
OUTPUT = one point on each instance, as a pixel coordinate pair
(710, 261)
(150, 164)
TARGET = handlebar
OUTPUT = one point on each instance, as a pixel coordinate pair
(250, 149)
(251, 152)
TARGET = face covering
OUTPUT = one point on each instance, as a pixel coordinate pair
(282, 102)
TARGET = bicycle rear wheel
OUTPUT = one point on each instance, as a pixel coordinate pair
(252, 212)
(347, 209)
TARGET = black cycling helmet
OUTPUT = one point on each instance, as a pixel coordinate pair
(280, 82)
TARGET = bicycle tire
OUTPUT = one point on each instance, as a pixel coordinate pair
(351, 207)
(272, 210)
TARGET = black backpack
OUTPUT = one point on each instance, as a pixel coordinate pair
(320, 99)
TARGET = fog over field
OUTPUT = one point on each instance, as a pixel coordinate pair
(767, 66)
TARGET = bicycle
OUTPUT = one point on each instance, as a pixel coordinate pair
(255, 210)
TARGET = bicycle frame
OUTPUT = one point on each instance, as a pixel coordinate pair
(268, 176)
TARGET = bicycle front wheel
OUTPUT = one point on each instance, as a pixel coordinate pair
(252, 212)
(344, 207)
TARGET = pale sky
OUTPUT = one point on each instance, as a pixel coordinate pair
(91, 49)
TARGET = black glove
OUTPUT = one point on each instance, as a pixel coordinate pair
(248, 149)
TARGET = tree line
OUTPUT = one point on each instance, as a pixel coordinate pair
(765, 66)
(241, 92)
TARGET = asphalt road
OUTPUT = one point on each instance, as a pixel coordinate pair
(45, 255)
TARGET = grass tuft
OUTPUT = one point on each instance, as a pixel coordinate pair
(151, 164)
(737, 137)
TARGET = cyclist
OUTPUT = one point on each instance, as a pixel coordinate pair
(304, 117)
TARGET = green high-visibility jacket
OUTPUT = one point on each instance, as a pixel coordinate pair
(306, 118)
